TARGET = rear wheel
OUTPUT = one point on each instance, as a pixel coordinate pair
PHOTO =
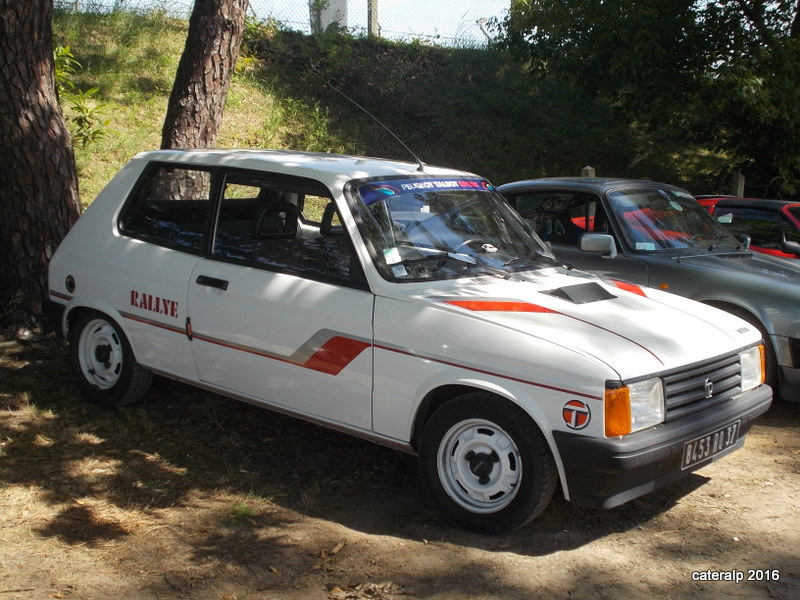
(485, 464)
(103, 362)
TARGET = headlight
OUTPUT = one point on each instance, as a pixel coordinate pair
(634, 407)
(753, 367)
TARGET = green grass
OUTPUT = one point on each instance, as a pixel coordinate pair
(461, 107)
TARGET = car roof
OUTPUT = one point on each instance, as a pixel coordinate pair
(594, 184)
(326, 167)
(759, 202)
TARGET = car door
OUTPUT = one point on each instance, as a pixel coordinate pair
(278, 311)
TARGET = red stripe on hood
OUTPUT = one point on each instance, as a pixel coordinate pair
(629, 287)
(499, 306)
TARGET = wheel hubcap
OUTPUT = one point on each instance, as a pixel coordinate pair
(100, 354)
(479, 466)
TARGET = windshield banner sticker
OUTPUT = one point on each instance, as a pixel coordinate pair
(374, 192)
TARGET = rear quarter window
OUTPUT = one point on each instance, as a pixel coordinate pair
(169, 206)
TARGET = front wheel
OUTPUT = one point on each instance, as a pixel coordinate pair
(103, 362)
(485, 464)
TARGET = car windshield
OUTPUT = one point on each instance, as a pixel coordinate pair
(658, 219)
(425, 228)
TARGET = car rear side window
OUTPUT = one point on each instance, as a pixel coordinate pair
(169, 206)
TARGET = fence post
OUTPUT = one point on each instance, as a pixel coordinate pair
(587, 171)
(373, 28)
(737, 185)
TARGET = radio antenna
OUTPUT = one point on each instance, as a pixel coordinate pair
(421, 164)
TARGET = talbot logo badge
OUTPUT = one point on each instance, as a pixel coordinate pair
(576, 414)
(709, 388)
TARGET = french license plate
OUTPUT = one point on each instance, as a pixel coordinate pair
(707, 446)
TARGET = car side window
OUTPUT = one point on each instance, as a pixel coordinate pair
(764, 227)
(169, 207)
(561, 217)
(283, 226)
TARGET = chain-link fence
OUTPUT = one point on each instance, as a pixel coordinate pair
(442, 22)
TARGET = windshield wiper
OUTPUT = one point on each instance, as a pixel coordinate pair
(443, 256)
(435, 254)
(533, 256)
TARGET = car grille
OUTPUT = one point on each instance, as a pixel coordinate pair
(686, 389)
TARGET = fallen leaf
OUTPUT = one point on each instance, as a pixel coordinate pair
(337, 548)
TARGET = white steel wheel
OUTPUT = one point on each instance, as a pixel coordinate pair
(484, 463)
(103, 362)
(479, 466)
(100, 354)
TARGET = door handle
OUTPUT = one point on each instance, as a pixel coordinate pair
(212, 282)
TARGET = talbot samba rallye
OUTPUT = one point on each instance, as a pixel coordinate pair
(405, 304)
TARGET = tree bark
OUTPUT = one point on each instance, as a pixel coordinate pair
(38, 182)
(794, 32)
(198, 96)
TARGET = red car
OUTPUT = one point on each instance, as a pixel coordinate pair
(773, 225)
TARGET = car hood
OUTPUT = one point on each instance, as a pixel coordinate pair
(635, 331)
(744, 264)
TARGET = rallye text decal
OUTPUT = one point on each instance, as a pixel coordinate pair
(156, 304)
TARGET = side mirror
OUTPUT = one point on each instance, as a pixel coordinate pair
(599, 242)
(791, 248)
(745, 240)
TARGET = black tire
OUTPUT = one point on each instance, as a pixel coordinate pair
(103, 363)
(485, 465)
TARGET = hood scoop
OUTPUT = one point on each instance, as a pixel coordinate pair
(582, 293)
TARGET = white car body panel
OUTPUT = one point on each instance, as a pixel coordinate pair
(266, 336)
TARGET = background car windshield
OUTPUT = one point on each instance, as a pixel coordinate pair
(657, 219)
(438, 229)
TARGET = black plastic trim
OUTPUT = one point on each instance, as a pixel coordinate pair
(608, 472)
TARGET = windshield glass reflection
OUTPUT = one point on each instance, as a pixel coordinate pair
(422, 229)
(658, 219)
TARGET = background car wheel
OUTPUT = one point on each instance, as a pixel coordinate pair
(103, 362)
(485, 464)
(771, 376)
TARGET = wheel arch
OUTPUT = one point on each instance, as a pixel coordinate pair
(742, 312)
(73, 309)
(439, 395)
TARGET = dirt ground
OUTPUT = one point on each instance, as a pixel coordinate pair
(193, 496)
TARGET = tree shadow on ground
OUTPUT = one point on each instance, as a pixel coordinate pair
(180, 440)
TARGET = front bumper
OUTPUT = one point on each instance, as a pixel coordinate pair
(608, 472)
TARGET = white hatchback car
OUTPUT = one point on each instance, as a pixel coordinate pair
(409, 305)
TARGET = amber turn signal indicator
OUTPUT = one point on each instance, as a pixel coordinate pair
(617, 406)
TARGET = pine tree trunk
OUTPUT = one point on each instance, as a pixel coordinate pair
(38, 183)
(204, 74)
